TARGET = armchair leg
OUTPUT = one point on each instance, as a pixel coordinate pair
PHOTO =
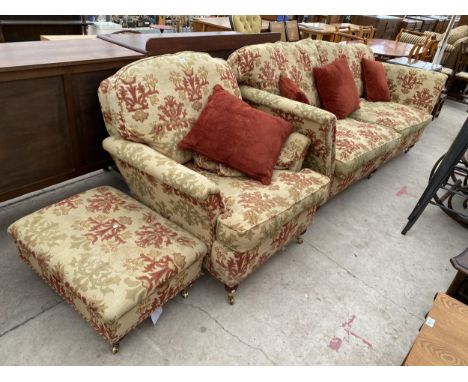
(115, 348)
(184, 293)
(372, 173)
(299, 239)
(408, 149)
(230, 293)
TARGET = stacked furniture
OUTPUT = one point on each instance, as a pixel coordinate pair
(386, 26)
(428, 23)
(348, 149)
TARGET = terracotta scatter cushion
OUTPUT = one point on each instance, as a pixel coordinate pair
(375, 81)
(336, 87)
(289, 89)
(233, 133)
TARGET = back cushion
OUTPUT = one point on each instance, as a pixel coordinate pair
(261, 65)
(330, 51)
(157, 100)
(457, 33)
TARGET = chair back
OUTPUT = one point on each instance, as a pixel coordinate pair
(292, 31)
(341, 36)
(366, 32)
(246, 23)
(412, 37)
(278, 26)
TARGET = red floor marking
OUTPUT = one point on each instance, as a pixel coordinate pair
(336, 342)
(404, 191)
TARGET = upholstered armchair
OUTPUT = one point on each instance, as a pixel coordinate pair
(246, 24)
(349, 149)
(148, 107)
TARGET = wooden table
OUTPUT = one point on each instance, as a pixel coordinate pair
(418, 64)
(320, 30)
(51, 122)
(446, 342)
(386, 48)
(55, 37)
(217, 24)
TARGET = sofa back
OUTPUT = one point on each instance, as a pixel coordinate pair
(457, 33)
(156, 100)
(260, 66)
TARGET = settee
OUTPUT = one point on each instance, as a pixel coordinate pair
(148, 107)
(345, 150)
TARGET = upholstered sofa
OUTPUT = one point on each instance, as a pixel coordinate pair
(148, 107)
(349, 149)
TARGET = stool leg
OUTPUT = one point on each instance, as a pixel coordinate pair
(230, 293)
(115, 348)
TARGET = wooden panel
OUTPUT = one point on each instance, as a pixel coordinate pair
(34, 138)
(88, 119)
(444, 344)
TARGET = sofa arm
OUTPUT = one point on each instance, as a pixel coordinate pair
(183, 196)
(414, 87)
(316, 124)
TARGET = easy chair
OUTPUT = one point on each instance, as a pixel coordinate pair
(148, 107)
(246, 23)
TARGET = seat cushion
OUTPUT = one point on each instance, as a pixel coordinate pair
(254, 212)
(401, 118)
(112, 258)
(358, 143)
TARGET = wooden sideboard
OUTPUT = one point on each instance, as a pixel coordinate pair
(51, 126)
(217, 44)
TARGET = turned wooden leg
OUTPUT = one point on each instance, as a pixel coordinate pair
(230, 293)
(115, 348)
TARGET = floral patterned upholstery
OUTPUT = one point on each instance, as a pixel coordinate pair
(253, 212)
(290, 158)
(113, 259)
(358, 143)
(401, 118)
(150, 105)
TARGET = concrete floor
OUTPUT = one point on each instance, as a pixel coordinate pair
(355, 293)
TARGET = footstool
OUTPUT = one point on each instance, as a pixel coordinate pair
(110, 257)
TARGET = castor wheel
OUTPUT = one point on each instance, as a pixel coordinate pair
(230, 294)
(184, 293)
(115, 348)
(299, 240)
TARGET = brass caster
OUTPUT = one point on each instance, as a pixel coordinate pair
(115, 348)
(230, 294)
(299, 240)
(184, 293)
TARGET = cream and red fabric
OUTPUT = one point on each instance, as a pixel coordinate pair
(195, 200)
(316, 124)
(358, 143)
(401, 118)
(253, 212)
(113, 259)
(291, 157)
(417, 88)
(261, 65)
(157, 100)
(231, 266)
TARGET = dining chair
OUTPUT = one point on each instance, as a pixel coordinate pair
(278, 26)
(246, 23)
(292, 31)
(366, 31)
(341, 36)
(411, 37)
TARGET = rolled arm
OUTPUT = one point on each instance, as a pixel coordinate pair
(183, 196)
(317, 124)
(414, 87)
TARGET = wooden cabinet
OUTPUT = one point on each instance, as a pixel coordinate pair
(428, 23)
(50, 118)
(386, 27)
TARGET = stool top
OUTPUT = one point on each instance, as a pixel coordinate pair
(460, 262)
(108, 249)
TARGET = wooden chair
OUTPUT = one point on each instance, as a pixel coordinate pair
(366, 32)
(278, 26)
(292, 31)
(341, 36)
(412, 37)
(246, 23)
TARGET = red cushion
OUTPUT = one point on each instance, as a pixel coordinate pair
(289, 89)
(232, 132)
(336, 88)
(375, 81)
